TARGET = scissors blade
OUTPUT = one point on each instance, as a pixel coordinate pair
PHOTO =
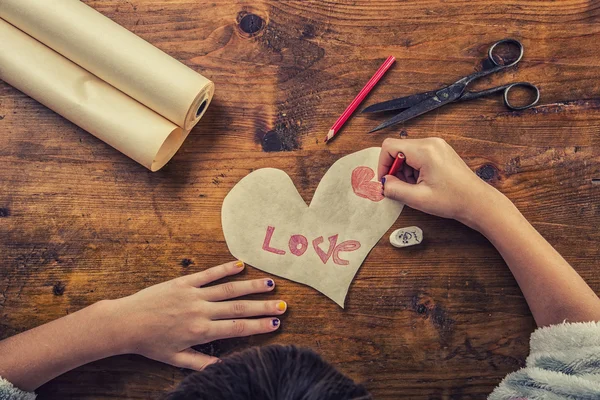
(399, 103)
(427, 105)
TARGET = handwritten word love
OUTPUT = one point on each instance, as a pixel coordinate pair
(298, 244)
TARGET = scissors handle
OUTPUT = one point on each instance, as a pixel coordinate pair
(508, 41)
(506, 88)
(496, 66)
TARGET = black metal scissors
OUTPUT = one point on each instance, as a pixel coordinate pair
(421, 103)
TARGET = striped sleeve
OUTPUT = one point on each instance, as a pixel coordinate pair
(9, 392)
(564, 363)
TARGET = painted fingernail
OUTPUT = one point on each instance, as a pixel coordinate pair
(281, 306)
(275, 322)
(383, 180)
(270, 283)
(239, 264)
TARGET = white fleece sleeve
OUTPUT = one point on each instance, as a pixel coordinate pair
(9, 392)
(564, 363)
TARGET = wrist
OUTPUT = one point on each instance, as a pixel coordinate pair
(111, 328)
(485, 209)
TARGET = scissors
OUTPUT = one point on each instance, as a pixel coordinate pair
(421, 103)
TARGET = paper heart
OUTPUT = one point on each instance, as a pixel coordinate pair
(268, 225)
(363, 186)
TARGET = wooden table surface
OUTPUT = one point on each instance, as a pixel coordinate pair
(80, 222)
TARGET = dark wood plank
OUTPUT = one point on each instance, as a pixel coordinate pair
(80, 222)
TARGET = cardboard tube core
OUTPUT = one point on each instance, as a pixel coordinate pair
(201, 108)
(198, 106)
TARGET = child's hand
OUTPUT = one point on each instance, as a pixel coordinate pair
(434, 179)
(163, 321)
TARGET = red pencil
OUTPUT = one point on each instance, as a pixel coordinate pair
(359, 98)
(397, 164)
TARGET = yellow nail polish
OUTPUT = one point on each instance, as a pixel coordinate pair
(281, 306)
(239, 264)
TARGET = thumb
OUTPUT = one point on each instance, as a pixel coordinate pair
(192, 359)
(407, 193)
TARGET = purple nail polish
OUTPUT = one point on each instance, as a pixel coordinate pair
(275, 323)
(383, 180)
(270, 283)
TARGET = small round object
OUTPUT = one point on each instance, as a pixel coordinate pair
(509, 41)
(406, 237)
(526, 85)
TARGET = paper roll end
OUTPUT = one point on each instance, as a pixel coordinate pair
(168, 149)
(199, 106)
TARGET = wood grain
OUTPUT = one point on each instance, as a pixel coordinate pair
(79, 222)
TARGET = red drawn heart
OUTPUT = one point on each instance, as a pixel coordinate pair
(363, 186)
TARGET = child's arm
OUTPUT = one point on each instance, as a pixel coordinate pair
(161, 322)
(436, 180)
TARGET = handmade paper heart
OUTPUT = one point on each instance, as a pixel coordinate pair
(268, 225)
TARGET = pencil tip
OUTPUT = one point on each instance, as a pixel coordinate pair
(330, 135)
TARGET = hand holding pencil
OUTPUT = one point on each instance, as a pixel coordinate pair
(432, 178)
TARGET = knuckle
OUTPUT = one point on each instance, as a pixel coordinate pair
(228, 289)
(178, 361)
(199, 330)
(178, 284)
(169, 359)
(209, 274)
(390, 143)
(438, 142)
(429, 148)
(391, 192)
(239, 309)
(257, 285)
(238, 328)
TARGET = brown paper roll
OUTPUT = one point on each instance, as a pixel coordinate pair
(86, 100)
(80, 42)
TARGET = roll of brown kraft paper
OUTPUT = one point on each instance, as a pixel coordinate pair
(101, 77)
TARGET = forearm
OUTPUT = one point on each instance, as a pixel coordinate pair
(34, 357)
(553, 289)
